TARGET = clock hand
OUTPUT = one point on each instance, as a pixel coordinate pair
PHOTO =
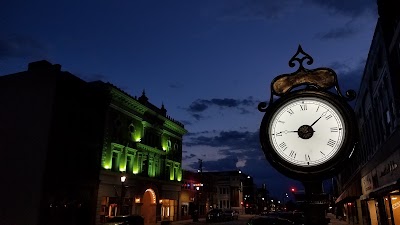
(287, 131)
(323, 114)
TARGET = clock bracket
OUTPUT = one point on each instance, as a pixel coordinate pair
(322, 79)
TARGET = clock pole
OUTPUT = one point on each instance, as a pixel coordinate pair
(315, 203)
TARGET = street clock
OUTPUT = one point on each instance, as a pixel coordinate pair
(309, 132)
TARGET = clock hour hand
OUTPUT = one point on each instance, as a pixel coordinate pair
(323, 114)
(286, 131)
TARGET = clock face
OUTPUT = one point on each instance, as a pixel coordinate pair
(306, 131)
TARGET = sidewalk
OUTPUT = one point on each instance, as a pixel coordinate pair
(335, 221)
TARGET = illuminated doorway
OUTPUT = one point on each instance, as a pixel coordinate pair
(168, 209)
(148, 210)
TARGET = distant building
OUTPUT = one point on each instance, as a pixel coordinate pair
(229, 190)
(369, 186)
(193, 195)
(66, 143)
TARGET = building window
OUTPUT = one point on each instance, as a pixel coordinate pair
(176, 146)
(169, 145)
(131, 128)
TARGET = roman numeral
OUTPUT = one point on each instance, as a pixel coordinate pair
(334, 129)
(283, 146)
(281, 121)
(322, 153)
(292, 154)
(331, 143)
(303, 107)
(290, 111)
(307, 157)
(328, 117)
(317, 109)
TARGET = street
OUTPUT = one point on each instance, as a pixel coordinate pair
(243, 219)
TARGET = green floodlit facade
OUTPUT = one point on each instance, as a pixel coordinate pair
(140, 139)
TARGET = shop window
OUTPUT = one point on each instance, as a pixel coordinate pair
(395, 202)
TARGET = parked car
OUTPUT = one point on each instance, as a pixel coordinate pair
(215, 215)
(126, 220)
(269, 220)
(230, 214)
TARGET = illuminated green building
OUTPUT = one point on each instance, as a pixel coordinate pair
(65, 144)
(144, 144)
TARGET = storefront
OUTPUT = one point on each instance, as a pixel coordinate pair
(381, 196)
(348, 204)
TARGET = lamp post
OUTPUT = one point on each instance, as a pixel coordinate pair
(123, 178)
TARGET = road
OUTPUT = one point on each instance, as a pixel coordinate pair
(243, 219)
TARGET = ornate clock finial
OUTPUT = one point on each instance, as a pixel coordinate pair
(303, 56)
(320, 78)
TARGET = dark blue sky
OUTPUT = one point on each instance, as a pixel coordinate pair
(210, 62)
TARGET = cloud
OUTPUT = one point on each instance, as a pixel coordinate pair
(338, 33)
(201, 105)
(19, 46)
(228, 139)
(227, 163)
(353, 8)
(186, 157)
(349, 77)
(176, 85)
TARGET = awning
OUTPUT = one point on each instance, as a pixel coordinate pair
(383, 190)
(351, 193)
(346, 199)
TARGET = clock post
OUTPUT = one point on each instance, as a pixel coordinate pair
(308, 133)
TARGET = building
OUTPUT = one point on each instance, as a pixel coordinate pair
(66, 144)
(193, 195)
(230, 190)
(369, 186)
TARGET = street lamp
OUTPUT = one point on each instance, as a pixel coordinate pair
(285, 195)
(123, 178)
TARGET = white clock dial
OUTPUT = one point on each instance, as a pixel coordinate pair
(307, 131)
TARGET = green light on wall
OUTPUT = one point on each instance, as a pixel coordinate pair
(164, 145)
(135, 169)
(179, 175)
(171, 174)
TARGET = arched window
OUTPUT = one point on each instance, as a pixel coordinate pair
(169, 145)
(131, 128)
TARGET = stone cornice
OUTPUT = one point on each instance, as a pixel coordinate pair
(125, 111)
(172, 126)
(127, 100)
(144, 147)
(119, 96)
(172, 134)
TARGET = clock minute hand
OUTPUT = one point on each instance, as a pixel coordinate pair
(323, 114)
